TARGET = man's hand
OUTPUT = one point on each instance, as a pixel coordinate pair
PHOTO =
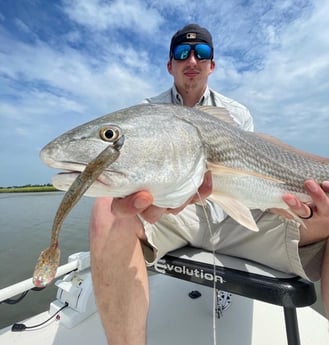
(318, 224)
(141, 203)
(320, 201)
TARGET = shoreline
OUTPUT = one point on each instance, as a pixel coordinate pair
(28, 189)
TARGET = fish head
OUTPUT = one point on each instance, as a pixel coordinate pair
(161, 153)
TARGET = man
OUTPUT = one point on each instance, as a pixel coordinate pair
(126, 232)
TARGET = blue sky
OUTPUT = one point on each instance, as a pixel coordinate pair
(63, 63)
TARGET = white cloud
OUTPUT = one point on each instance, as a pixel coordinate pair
(289, 94)
(96, 56)
(101, 15)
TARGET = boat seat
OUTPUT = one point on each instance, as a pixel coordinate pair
(242, 277)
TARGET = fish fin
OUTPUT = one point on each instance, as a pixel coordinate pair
(221, 170)
(236, 210)
(307, 155)
(219, 112)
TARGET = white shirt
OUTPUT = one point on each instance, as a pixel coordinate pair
(239, 112)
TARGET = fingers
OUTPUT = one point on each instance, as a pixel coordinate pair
(139, 203)
(153, 213)
(132, 205)
(297, 207)
(320, 201)
(206, 187)
(318, 195)
(325, 186)
(204, 190)
(310, 213)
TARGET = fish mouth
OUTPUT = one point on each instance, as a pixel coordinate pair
(100, 187)
(64, 179)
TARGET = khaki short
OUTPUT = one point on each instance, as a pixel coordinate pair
(275, 245)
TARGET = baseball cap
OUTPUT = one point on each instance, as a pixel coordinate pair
(190, 33)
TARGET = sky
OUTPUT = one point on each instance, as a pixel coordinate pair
(63, 63)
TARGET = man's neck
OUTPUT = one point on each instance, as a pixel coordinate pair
(191, 96)
(191, 101)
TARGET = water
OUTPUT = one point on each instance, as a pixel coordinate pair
(26, 221)
(25, 224)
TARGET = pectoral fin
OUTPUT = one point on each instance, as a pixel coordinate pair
(235, 209)
(222, 170)
(232, 206)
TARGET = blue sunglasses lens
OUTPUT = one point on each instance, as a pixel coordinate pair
(182, 52)
(202, 51)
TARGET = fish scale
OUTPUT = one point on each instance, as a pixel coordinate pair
(268, 158)
(167, 150)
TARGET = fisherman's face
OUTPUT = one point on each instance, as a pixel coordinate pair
(191, 72)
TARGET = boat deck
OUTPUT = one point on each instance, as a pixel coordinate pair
(175, 318)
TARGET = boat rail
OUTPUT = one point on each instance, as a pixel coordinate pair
(77, 261)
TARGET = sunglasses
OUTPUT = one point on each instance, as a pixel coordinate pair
(202, 51)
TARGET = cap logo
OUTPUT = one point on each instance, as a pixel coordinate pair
(191, 36)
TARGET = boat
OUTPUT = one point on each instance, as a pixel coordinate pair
(195, 298)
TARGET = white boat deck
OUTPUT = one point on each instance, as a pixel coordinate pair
(175, 318)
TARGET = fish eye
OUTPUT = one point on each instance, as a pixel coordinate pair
(110, 133)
